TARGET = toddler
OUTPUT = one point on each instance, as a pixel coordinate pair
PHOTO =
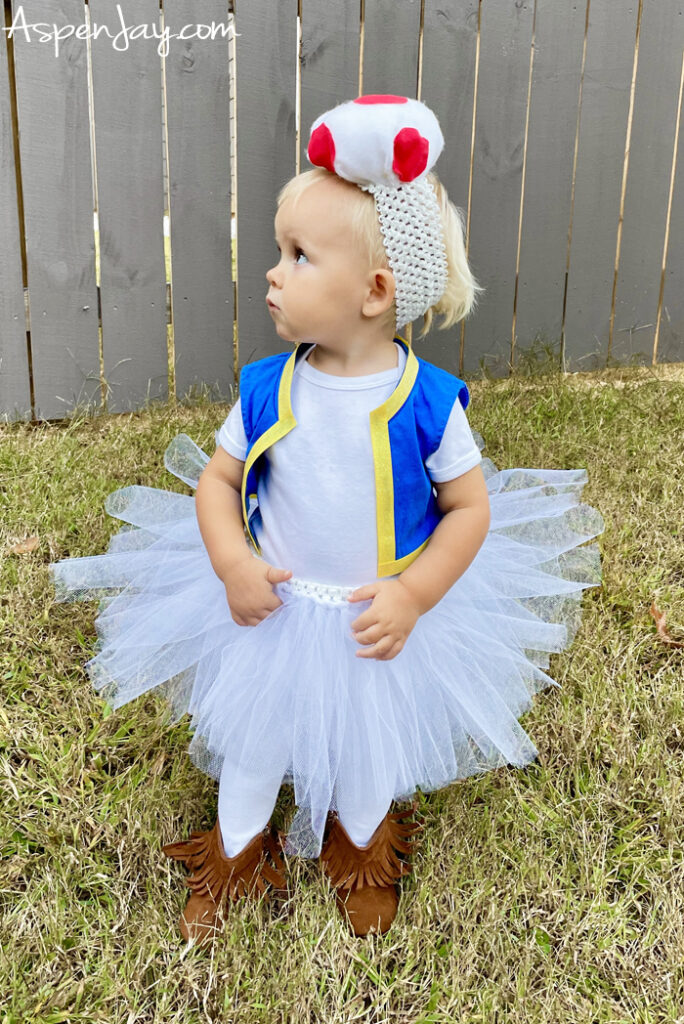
(354, 602)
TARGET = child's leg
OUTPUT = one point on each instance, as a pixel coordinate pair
(245, 803)
(364, 856)
(360, 816)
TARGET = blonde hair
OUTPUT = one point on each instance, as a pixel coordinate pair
(460, 295)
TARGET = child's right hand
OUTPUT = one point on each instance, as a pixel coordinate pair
(249, 589)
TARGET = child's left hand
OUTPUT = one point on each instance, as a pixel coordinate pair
(389, 620)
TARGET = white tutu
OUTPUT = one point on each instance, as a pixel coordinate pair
(291, 690)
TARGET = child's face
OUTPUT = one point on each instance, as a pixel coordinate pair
(320, 282)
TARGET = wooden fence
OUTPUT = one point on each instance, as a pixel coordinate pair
(562, 148)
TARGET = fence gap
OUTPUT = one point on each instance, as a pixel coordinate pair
(421, 33)
(168, 248)
(476, 83)
(298, 91)
(362, 30)
(522, 189)
(568, 248)
(96, 215)
(232, 86)
(666, 240)
(623, 184)
(25, 298)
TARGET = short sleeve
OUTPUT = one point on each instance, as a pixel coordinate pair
(457, 452)
(231, 434)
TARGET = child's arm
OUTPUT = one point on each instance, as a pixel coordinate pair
(398, 603)
(248, 581)
(456, 540)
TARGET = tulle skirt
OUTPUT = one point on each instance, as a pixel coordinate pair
(291, 693)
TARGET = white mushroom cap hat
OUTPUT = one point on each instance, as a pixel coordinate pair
(386, 145)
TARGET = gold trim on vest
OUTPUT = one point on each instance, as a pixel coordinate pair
(388, 563)
(282, 426)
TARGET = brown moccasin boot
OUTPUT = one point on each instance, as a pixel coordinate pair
(216, 878)
(364, 876)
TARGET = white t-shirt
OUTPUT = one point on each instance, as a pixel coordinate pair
(317, 497)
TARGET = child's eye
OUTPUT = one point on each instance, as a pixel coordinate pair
(300, 252)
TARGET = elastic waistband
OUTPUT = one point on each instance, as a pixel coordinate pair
(326, 593)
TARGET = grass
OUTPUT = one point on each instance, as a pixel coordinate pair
(539, 896)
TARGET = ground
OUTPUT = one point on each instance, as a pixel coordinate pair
(539, 895)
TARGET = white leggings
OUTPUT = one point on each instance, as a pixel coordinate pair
(246, 802)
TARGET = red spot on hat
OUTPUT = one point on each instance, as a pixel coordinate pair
(410, 154)
(377, 98)
(321, 151)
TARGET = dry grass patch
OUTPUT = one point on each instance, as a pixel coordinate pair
(539, 896)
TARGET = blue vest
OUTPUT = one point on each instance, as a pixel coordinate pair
(405, 430)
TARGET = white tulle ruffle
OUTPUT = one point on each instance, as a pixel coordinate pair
(291, 689)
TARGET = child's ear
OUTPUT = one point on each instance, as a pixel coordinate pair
(380, 293)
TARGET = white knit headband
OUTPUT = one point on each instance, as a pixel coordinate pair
(386, 145)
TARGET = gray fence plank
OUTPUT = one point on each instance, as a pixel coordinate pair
(52, 101)
(506, 33)
(127, 88)
(266, 70)
(661, 38)
(600, 155)
(447, 86)
(329, 62)
(198, 119)
(669, 341)
(391, 37)
(15, 392)
(554, 99)
(390, 50)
